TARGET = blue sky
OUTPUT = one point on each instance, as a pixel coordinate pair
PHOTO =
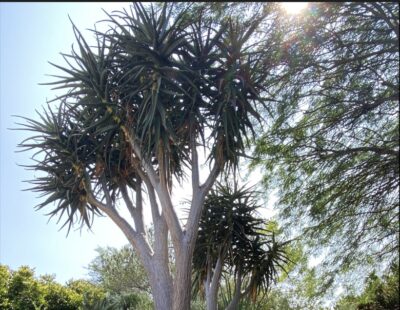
(31, 34)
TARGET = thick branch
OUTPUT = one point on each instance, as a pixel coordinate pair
(196, 208)
(195, 165)
(236, 296)
(249, 286)
(160, 225)
(163, 194)
(136, 239)
(217, 273)
(205, 187)
(170, 216)
(136, 212)
(105, 190)
(153, 200)
(209, 275)
(139, 198)
(161, 240)
(154, 179)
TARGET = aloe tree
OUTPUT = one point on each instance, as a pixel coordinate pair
(161, 83)
(233, 241)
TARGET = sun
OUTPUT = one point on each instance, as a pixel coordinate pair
(294, 7)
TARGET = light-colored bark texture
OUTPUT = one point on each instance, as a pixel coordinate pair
(171, 291)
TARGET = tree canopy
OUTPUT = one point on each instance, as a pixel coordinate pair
(22, 290)
(119, 271)
(332, 147)
(379, 293)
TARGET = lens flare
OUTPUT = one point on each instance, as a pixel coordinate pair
(294, 7)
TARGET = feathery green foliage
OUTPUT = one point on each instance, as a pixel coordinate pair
(119, 271)
(332, 149)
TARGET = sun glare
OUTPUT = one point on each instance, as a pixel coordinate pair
(294, 7)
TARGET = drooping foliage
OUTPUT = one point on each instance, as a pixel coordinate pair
(230, 232)
(332, 149)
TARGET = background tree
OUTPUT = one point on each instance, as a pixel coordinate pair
(119, 271)
(379, 293)
(124, 301)
(21, 289)
(24, 291)
(135, 109)
(5, 276)
(90, 292)
(233, 241)
(332, 148)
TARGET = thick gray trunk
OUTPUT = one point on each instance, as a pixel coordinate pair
(234, 304)
(161, 286)
(162, 293)
(212, 283)
(211, 298)
(183, 281)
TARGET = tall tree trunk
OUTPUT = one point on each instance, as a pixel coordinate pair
(211, 298)
(183, 280)
(234, 304)
(162, 288)
(213, 281)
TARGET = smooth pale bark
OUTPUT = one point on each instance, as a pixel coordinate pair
(234, 304)
(212, 284)
(161, 285)
(169, 291)
(211, 300)
(155, 264)
(183, 280)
